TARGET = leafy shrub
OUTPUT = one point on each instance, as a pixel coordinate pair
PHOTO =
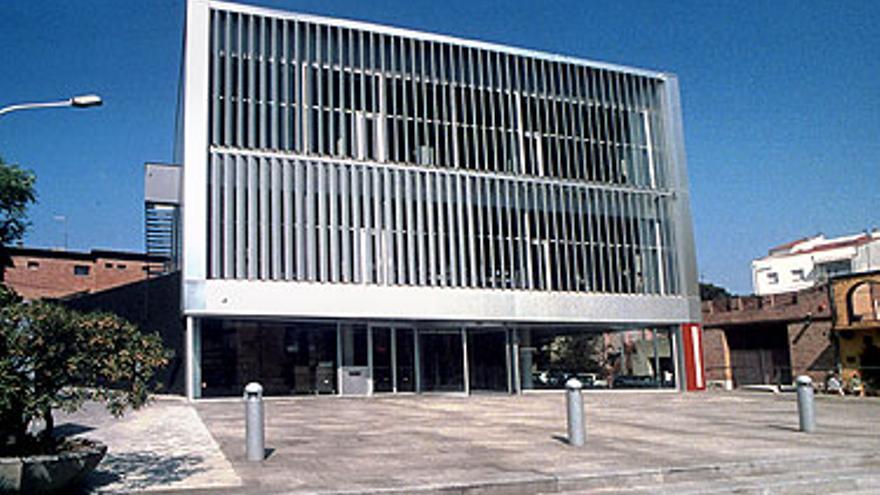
(55, 358)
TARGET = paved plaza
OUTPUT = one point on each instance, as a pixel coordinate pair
(637, 442)
(516, 443)
(164, 446)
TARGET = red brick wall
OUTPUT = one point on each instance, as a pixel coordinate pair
(54, 276)
(806, 315)
(715, 355)
(811, 350)
(778, 307)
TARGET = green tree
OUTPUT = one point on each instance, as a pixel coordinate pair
(55, 358)
(709, 292)
(16, 193)
(578, 353)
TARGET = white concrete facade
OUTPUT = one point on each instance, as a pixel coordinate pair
(807, 262)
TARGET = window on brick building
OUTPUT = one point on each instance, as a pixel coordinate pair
(797, 275)
(108, 265)
(120, 267)
(81, 270)
(33, 265)
(773, 278)
(864, 302)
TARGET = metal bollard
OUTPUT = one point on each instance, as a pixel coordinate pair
(575, 405)
(806, 411)
(254, 425)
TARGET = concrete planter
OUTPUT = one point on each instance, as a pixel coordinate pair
(52, 473)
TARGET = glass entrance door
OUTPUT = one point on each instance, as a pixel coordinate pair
(383, 379)
(393, 359)
(488, 360)
(405, 365)
(442, 361)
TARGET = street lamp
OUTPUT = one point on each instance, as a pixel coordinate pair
(81, 101)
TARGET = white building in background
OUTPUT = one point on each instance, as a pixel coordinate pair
(804, 263)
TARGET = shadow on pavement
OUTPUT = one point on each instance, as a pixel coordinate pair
(133, 471)
(71, 429)
(560, 438)
(783, 427)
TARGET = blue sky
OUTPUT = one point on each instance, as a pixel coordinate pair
(781, 104)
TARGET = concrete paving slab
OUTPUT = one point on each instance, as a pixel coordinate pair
(164, 446)
(515, 444)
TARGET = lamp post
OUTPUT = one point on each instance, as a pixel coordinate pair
(81, 101)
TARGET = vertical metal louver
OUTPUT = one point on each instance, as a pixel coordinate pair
(162, 233)
(342, 155)
(162, 212)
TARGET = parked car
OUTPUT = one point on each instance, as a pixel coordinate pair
(629, 381)
(592, 380)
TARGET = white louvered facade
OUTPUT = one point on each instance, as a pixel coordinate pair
(337, 169)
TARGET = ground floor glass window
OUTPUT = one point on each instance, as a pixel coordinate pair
(363, 358)
(640, 358)
(286, 358)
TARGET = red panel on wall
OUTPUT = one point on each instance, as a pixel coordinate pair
(694, 371)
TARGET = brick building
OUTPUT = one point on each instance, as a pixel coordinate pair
(768, 339)
(856, 307)
(772, 338)
(37, 273)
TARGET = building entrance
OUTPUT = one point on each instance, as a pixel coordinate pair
(393, 359)
(442, 361)
(488, 360)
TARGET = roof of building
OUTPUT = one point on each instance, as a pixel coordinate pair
(92, 255)
(820, 243)
(788, 245)
(429, 36)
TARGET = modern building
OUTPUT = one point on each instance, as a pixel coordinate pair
(810, 261)
(369, 210)
(162, 184)
(37, 273)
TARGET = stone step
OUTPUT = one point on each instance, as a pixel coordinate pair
(865, 483)
(846, 474)
(798, 476)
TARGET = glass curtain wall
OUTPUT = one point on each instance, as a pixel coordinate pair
(286, 358)
(304, 358)
(617, 359)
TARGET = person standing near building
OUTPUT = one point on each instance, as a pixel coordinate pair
(833, 384)
(856, 386)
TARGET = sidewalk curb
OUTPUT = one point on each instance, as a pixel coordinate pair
(548, 483)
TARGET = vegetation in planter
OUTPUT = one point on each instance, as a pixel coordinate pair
(54, 358)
